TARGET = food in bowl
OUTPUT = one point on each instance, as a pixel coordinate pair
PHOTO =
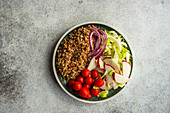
(94, 61)
(72, 54)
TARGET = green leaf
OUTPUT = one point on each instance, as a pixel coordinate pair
(94, 87)
(111, 72)
(121, 84)
(108, 85)
(122, 54)
(103, 94)
(100, 76)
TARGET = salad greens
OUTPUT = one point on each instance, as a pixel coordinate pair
(111, 72)
(103, 94)
(112, 58)
(116, 47)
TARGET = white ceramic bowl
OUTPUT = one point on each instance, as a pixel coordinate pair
(54, 67)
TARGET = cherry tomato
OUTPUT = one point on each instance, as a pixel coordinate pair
(85, 73)
(80, 79)
(93, 81)
(84, 92)
(88, 96)
(95, 74)
(88, 80)
(71, 83)
(98, 82)
(87, 86)
(95, 92)
(77, 86)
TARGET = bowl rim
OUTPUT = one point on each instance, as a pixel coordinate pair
(54, 55)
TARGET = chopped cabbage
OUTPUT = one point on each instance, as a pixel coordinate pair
(127, 56)
(117, 48)
(124, 44)
(122, 53)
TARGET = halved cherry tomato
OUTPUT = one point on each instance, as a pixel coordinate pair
(77, 86)
(87, 86)
(80, 79)
(84, 92)
(88, 96)
(98, 82)
(70, 84)
(85, 73)
(95, 74)
(88, 80)
(95, 92)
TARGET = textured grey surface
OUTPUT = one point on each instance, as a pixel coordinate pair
(29, 30)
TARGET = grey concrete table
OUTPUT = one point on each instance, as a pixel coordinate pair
(29, 30)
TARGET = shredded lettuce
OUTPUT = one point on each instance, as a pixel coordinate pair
(100, 76)
(103, 94)
(122, 53)
(94, 87)
(121, 84)
(124, 44)
(111, 72)
(116, 56)
(127, 56)
(108, 41)
(118, 49)
(108, 85)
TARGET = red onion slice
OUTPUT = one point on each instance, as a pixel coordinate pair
(104, 42)
(94, 40)
(97, 44)
(90, 40)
